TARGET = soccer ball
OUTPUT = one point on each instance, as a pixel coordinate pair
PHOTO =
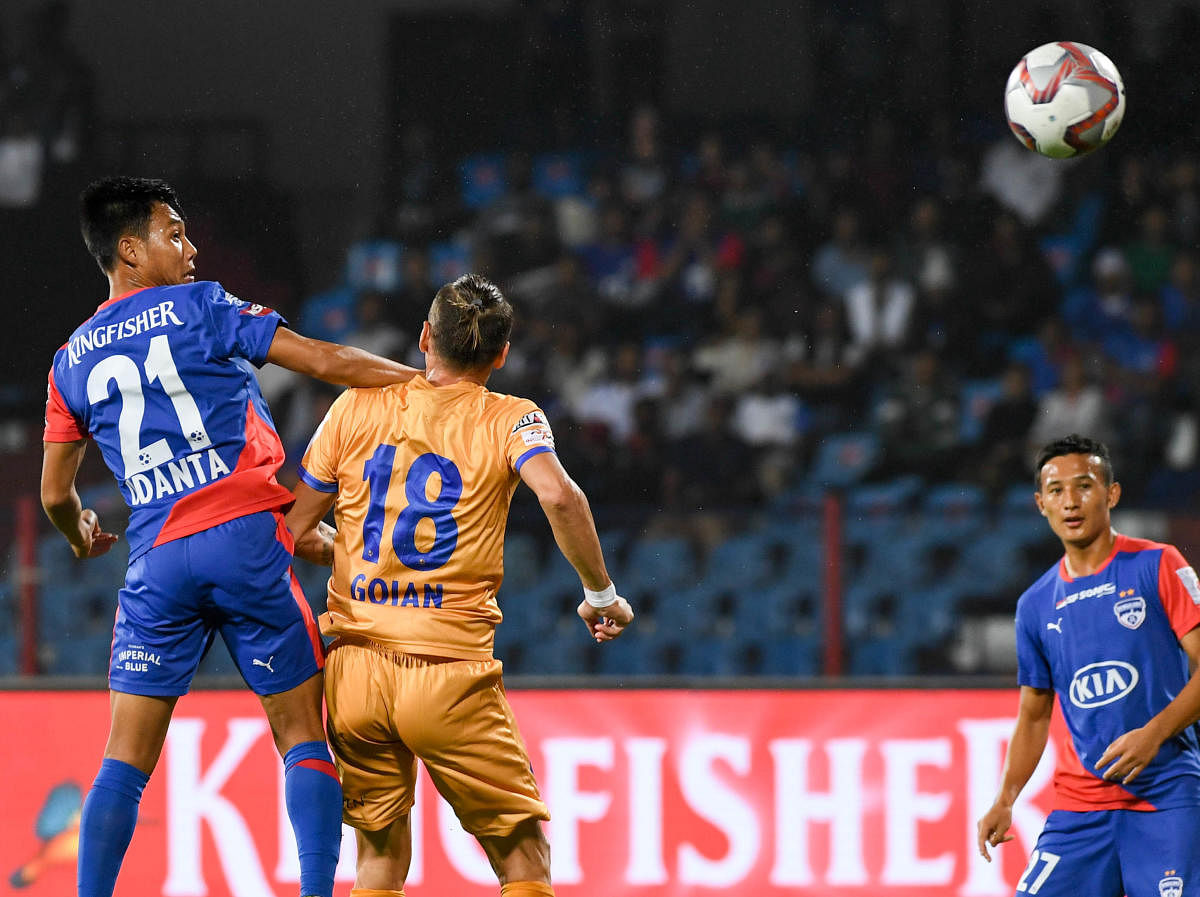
(1064, 99)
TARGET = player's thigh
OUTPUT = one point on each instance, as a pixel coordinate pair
(160, 633)
(458, 721)
(378, 771)
(1074, 855)
(261, 611)
(1160, 852)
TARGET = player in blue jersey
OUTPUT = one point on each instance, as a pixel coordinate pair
(1112, 630)
(161, 377)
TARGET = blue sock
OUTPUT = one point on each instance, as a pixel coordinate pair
(106, 826)
(314, 804)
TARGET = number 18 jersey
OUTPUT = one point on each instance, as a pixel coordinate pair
(161, 379)
(424, 476)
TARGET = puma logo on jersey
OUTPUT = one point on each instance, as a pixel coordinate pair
(258, 663)
(1057, 627)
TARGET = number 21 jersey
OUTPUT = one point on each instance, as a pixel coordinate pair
(161, 379)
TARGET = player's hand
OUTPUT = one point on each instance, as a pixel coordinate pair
(316, 546)
(1130, 754)
(93, 540)
(606, 623)
(993, 829)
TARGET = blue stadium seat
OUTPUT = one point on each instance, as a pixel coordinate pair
(886, 499)
(556, 175)
(449, 261)
(956, 502)
(740, 562)
(482, 179)
(83, 655)
(976, 398)
(630, 655)
(10, 651)
(522, 561)
(843, 459)
(660, 564)
(791, 656)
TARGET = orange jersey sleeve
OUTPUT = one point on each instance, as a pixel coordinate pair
(424, 477)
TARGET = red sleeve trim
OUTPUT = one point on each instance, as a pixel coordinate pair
(61, 424)
(1179, 591)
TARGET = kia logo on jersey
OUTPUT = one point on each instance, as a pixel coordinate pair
(1102, 683)
(1130, 612)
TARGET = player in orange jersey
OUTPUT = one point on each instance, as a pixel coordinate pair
(423, 475)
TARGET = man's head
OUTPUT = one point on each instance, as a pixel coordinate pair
(137, 224)
(469, 324)
(1075, 488)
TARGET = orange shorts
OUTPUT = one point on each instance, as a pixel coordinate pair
(387, 709)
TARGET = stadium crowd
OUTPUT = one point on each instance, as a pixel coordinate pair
(725, 320)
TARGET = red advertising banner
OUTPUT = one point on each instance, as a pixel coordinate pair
(652, 793)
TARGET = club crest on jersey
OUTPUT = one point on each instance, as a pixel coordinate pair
(254, 310)
(1190, 582)
(1171, 885)
(1130, 611)
(533, 418)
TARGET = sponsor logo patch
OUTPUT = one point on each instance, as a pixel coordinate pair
(1099, 591)
(532, 419)
(538, 437)
(1190, 582)
(1130, 611)
(1102, 683)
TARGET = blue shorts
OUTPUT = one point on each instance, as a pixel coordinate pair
(1108, 853)
(235, 578)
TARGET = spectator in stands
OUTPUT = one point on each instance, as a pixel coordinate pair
(1095, 310)
(1150, 255)
(919, 421)
(644, 176)
(740, 357)
(1076, 406)
(1010, 284)
(823, 368)
(843, 260)
(1005, 433)
(609, 400)
(879, 310)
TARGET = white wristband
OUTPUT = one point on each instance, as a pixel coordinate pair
(603, 598)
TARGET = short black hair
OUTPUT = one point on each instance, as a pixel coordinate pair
(1073, 445)
(112, 207)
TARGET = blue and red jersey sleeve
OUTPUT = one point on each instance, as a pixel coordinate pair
(1033, 669)
(1179, 591)
(61, 424)
(240, 328)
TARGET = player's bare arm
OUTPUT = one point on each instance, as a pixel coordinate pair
(81, 526)
(1024, 751)
(570, 516)
(335, 363)
(314, 539)
(1132, 752)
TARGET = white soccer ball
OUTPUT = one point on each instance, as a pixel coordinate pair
(1064, 99)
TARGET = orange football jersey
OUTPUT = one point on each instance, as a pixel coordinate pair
(424, 476)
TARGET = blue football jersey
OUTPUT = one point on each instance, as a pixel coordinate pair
(1108, 644)
(161, 379)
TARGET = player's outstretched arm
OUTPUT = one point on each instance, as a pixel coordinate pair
(605, 613)
(335, 363)
(81, 526)
(1024, 751)
(314, 539)
(1132, 752)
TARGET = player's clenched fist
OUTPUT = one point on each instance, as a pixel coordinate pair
(607, 622)
(95, 541)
